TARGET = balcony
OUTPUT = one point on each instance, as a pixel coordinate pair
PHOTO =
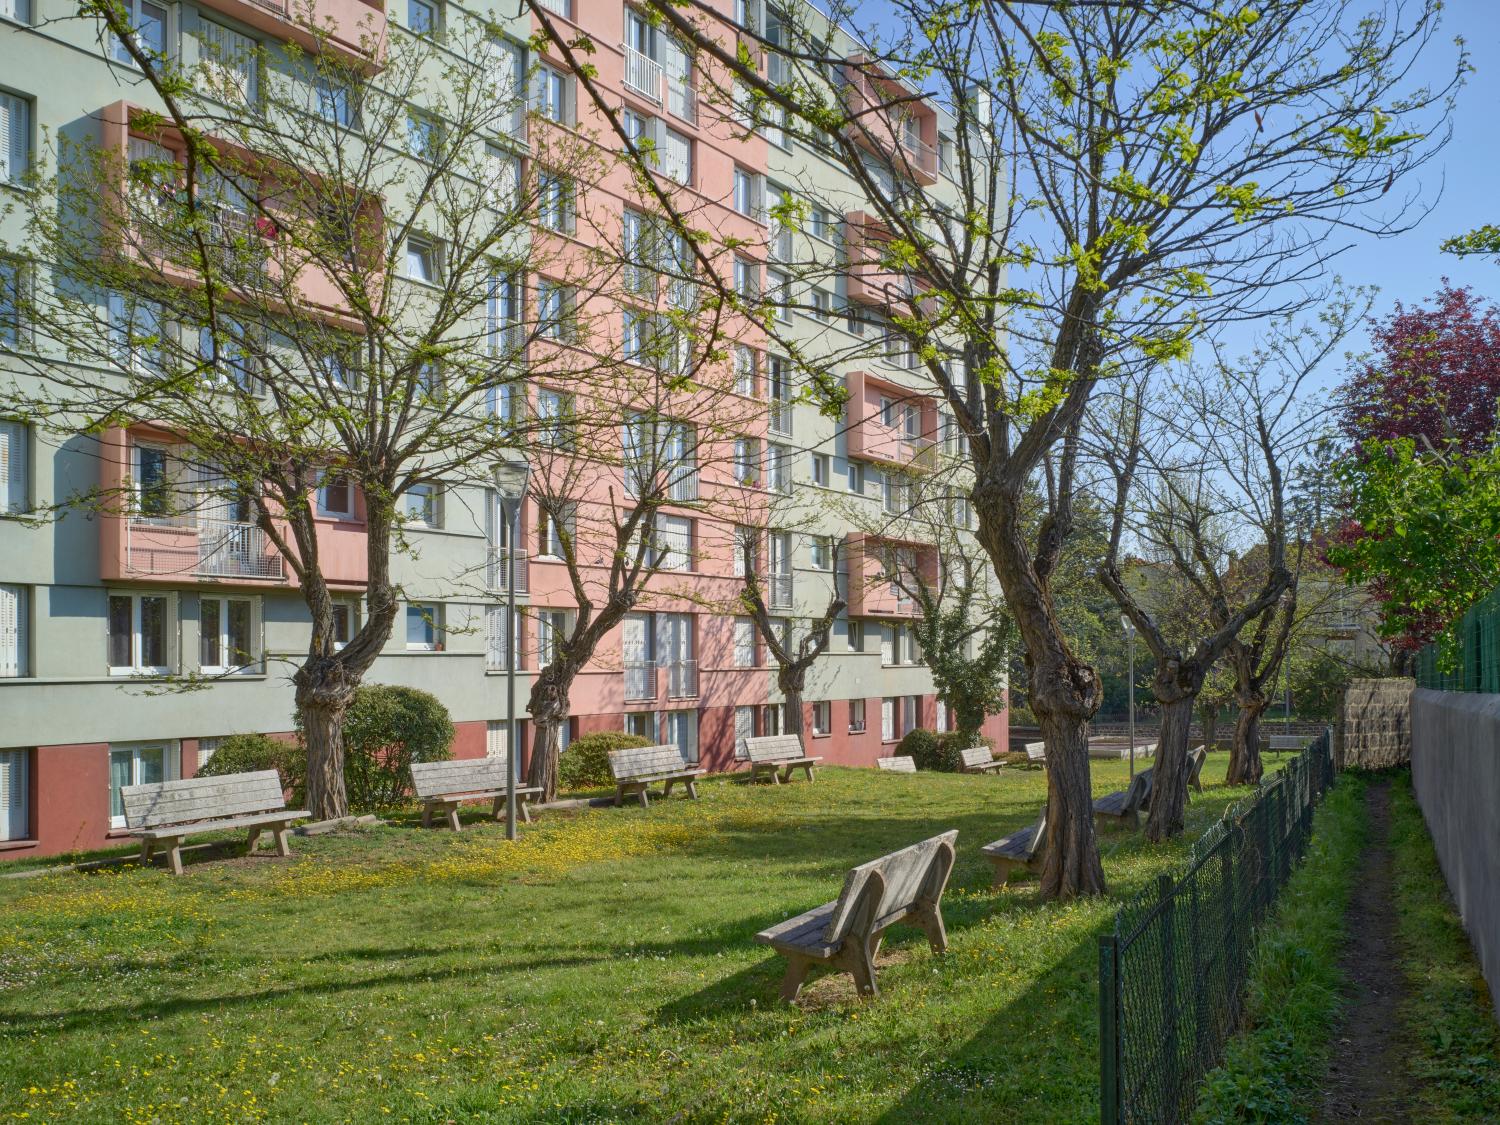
(193, 546)
(352, 28)
(887, 423)
(643, 76)
(640, 681)
(682, 679)
(886, 120)
(684, 489)
(871, 591)
(869, 280)
(497, 570)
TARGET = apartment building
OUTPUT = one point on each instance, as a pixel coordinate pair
(100, 608)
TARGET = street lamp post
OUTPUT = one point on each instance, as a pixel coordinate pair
(1130, 646)
(511, 478)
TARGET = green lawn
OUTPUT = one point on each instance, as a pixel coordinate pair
(602, 969)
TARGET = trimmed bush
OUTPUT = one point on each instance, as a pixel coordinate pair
(933, 750)
(249, 753)
(585, 764)
(386, 729)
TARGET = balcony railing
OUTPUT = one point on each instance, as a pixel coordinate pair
(559, 8)
(682, 679)
(195, 545)
(685, 487)
(643, 75)
(497, 570)
(780, 589)
(640, 680)
(682, 101)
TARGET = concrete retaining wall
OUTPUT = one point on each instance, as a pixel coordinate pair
(1374, 728)
(1455, 765)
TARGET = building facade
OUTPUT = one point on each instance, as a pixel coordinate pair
(101, 609)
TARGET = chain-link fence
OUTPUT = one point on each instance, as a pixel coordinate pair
(1467, 656)
(1172, 971)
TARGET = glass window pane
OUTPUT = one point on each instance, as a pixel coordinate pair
(153, 632)
(119, 776)
(151, 765)
(119, 632)
(238, 634)
(210, 653)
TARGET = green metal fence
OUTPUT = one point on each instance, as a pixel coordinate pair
(1467, 657)
(1172, 971)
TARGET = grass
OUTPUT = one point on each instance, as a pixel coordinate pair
(1454, 1041)
(1293, 996)
(601, 969)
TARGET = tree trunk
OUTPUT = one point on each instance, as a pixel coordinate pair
(548, 705)
(1245, 766)
(1169, 771)
(1072, 866)
(324, 692)
(792, 680)
(1210, 726)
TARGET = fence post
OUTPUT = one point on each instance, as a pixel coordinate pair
(1109, 1030)
(1165, 892)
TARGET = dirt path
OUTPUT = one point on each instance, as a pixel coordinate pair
(1367, 1078)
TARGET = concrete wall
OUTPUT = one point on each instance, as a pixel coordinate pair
(1374, 727)
(1455, 764)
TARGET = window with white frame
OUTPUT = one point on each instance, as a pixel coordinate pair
(497, 738)
(635, 338)
(821, 551)
(675, 157)
(15, 466)
(772, 718)
(18, 11)
(420, 506)
(890, 709)
(747, 461)
(140, 634)
(911, 711)
(855, 636)
(151, 479)
(336, 497)
(680, 729)
(779, 293)
(339, 370)
(503, 178)
(854, 477)
(135, 334)
(822, 717)
(673, 543)
(778, 468)
(15, 137)
(820, 469)
(424, 260)
(747, 279)
(500, 632)
(148, 23)
(423, 136)
(822, 224)
(502, 312)
(554, 310)
(637, 246)
(744, 370)
(856, 716)
(750, 194)
(345, 622)
(552, 94)
(14, 278)
(227, 640)
(14, 619)
(138, 763)
(15, 795)
(555, 420)
(888, 647)
(744, 728)
(642, 724)
(822, 305)
(424, 626)
(555, 202)
(421, 17)
(207, 748)
(228, 63)
(552, 629)
(940, 723)
(744, 642)
(551, 528)
(746, 542)
(335, 101)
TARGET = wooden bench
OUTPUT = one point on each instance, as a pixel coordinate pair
(774, 752)
(1280, 743)
(163, 814)
(443, 786)
(1036, 753)
(904, 764)
(1125, 802)
(1024, 849)
(845, 934)
(641, 766)
(979, 759)
(1196, 758)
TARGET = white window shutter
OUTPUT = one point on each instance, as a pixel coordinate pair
(7, 128)
(13, 463)
(15, 794)
(15, 136)
(496, 738)
(12, 631)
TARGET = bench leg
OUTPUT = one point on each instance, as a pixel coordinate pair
(427, 814)
(775, 776)
(786, 775)
(692, 788)
(283, 841)
(452, 814)
(931, 921)
(619, 795)
(174, 854)
(523, 806)
(797, 969)
(667, 789)
(1002, 871)
(643, 798)
(497, 808)
(146, 849)
(808, 769)
(254, 839)
(862, 966)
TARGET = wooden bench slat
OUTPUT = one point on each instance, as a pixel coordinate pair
(638, 767)
(903, 764)
(198, 828)
(1024, 848)
(169, 811)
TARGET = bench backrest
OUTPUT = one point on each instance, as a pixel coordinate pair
(1287, 741)
(774, 747)
(1138, 792)
(647, 761)
(977, 755)
(889, 887)
(1036, 751)
(202, 798)
(1038, 836)
(904, 764)
(460, 775)
(1196, 758)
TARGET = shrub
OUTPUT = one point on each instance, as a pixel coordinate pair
(933, 750)
(248, 753)
(386, 729)
(585, 764)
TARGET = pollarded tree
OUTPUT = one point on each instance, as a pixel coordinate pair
(1144, 169)
(304, 270)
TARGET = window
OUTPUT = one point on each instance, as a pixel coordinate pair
(13, 622)
(555, 206)
(641, 724)
(15, 138)
(229, 359)
(889, 712)
(423, 261)
(822, 552)
(423, 136)
(552, 628)
(228, 65)
(15, 795)
(340, 371)
(822, 305)
(421, 17)
(207, 748)
(744, 728)
(550, 530)
(910, 712)
(152, 481)
(135, 334)
(888, 649)
(675, 157)
(503, 175)
(855, 475)
(779, 391)
(747, 461)
(746, 544)
(13, 290)
(143, 763)
(553, 95)
(419, 505)
(822, 717)
(772, 716)
(673, 543)
(148, 23)
(888, 412)
(940, 723)
(744, 371)
(15, 465)
(226, 635)
(497, 738)
(424, 626)
(555, 305)
(139, 634)
(822, 224)
(779, 293)
(744, 642)
(778, 468)
(336, 102)
(680, 729)
(856, 716)
(336, 497)
(499, 634)
(345, 623)
(17, 10)
(502, 311)
(638, 249)
(856, 636)
(750, 194)
(820, 469)
(747, 279)
(911, 422)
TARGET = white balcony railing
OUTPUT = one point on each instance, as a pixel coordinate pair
(684, 487)
(559, 8)
(682, 679)
(190, 544)
(643, 75)
(497, 570)
(640, 680)
(780, 590)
